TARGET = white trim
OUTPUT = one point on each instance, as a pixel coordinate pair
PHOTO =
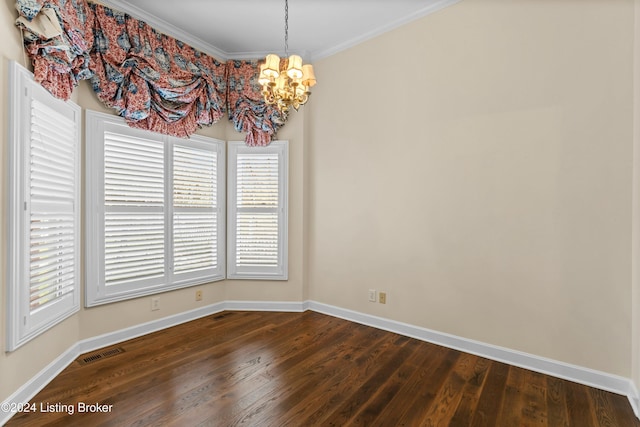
(97, 292)
(121, 335)
(427, 10)
(260, 54)
(199, 44)
(13, 210)
(280, 148)
(23, 324)
(579, 374)
(167, 28)
(586, 376)
(29, 389)
(42, 378)
(290, 306)
(634, 398)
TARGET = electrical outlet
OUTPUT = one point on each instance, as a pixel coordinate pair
(372, 295)
(155, 303)
(382, 297)
(198, 295)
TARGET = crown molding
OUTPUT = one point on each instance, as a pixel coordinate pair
(193, 41)
(168, 29)
(203, 46)
(305, 55)
(427, 10)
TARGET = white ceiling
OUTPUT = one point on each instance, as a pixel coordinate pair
(245, 29)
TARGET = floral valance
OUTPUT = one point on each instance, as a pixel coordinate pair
(58, 36)
(152, 80)
(247, 110)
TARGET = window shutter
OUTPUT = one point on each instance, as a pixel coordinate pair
(52, 204)
(257, 211)
(195, 231)
(134, 209)
(43, 210)
(155, 212)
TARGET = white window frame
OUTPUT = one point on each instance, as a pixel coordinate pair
(96, 291)
(23, 323)
(279, 272)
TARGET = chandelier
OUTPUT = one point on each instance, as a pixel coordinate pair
(286, 82)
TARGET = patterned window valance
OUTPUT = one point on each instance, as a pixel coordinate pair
(154, 81)
(247, 109)
(58, 36)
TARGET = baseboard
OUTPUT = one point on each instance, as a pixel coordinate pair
(121, 335)
(265, 306)
(578, 374)
(38, 382)
(634, 399)
(42, 378)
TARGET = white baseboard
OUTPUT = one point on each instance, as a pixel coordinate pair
(29, 389)
(578, 374)
(41, 379)
(634, 399)
(265, 306)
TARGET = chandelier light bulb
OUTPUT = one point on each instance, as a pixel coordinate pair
(294, 70)
(308, 76)
(272, 65)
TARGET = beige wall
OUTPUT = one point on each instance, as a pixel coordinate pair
(476, 165)
(635, 322)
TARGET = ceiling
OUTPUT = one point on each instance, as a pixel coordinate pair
(246, 29)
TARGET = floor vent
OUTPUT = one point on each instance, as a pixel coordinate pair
(221, 316)
(99, 356)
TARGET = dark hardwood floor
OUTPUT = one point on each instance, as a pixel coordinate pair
(309, 369)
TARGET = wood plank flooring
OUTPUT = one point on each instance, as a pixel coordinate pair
(309, 369)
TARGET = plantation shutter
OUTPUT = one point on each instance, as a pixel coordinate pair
(257, 210)
(134, 209)
(155, 212)
(197, 230)
(53, 191)
(44, 209)
(258, 204)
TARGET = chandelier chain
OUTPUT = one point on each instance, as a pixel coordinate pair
(285, 81)
(286, 27)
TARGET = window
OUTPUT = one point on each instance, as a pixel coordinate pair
(257, 211)
(44, 209)
(155, 211)
(156, 217)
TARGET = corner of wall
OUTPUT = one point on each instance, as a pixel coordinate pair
(635, 237)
